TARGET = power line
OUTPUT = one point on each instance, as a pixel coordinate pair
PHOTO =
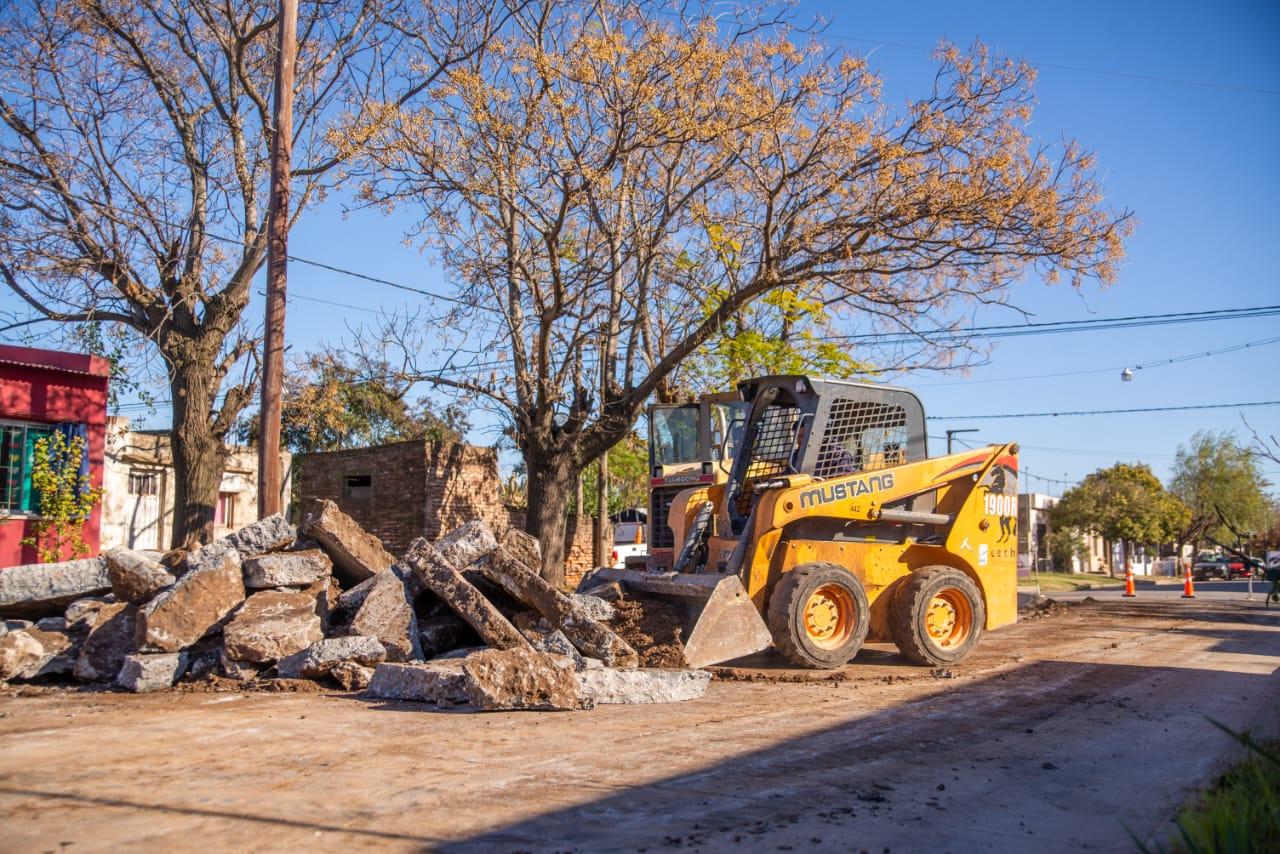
(1013, 330)
(1157, 363)
(1107, 411)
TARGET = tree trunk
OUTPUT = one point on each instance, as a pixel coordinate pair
(551, 485)
(198, 455)
(603, 532)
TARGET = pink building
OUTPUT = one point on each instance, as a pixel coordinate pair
(42, 391)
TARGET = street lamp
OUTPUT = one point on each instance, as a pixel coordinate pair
(1126, 375)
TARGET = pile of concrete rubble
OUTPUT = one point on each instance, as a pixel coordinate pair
(466, 620)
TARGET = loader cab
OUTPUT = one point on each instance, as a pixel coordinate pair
(690, 444)
(822, 428)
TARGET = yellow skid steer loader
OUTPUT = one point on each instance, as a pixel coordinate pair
(835, 527)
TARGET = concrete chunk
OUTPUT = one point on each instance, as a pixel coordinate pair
(20, 653)
(47, 588)
(506, 568)
(466, 544)
(264, 535)
(109, 642)
(387, 614)
(351, 676)
(143, 673)
(519, 679)
(83, 614)
(356, 553)
(594, 607)
(271, 625)
(323, 656)
(609, 685)
(135, 577)
(443, 579)
(431, 682)
(286, 569)
(194, 606)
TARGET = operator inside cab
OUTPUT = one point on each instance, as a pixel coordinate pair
(834, 459)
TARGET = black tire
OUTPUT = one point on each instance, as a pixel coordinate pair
(789, 616)
(910, 614)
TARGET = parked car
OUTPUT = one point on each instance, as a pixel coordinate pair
(1214, 567)
(629, 545)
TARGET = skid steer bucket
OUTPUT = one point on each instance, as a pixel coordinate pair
(721, 623)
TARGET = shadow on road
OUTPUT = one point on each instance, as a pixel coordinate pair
(1032, 741)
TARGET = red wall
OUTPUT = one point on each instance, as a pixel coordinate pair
(51, 386)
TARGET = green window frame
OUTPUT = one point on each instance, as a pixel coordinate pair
(17, 451)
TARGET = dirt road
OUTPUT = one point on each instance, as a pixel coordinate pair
(1062, 733)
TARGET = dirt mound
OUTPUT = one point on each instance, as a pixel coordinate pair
(654, 628)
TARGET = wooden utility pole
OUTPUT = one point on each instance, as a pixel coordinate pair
(269, 474)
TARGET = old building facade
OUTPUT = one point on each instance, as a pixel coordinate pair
(138, 488)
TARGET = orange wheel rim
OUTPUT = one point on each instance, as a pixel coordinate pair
(830, 614)
(949, 619)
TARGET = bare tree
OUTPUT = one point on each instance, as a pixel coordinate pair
(614, 183)
(134, 145)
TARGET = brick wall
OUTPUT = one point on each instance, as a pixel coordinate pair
(415, 489)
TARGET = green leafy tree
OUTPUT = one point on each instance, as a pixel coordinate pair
(66, 498)
(1065, 545)
(628, 477)
(1125, 503)
(1215, 472)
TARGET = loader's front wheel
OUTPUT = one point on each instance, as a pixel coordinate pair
(937, 616)
(819, 615)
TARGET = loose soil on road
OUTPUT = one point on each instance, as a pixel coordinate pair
(1069, 731)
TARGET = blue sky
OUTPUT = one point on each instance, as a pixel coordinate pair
(1196, 164)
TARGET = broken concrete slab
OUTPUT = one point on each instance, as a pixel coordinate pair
(270, 625)
(196, 604)
(466, 544)
(594, 607)
(20, 653)
(143, 673)
(35, 590)
(241, 671)
(387, 614)
(460, 652)
(351, 676)
(265, 535)
(592, 638)
(519, 679)
(134, 576)
(109, 641)
(438, 682)
(351, 600)
(443, 579)
(610, 685)
(286, 569)
(82, 614)
(356, 553)
(322, 656)
(7, 626)
(554, 641)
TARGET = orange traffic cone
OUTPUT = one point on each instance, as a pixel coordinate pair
(1128, 581)
(1188, 589)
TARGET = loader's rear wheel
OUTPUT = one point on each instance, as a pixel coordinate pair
(937, 616)
(819, 615)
